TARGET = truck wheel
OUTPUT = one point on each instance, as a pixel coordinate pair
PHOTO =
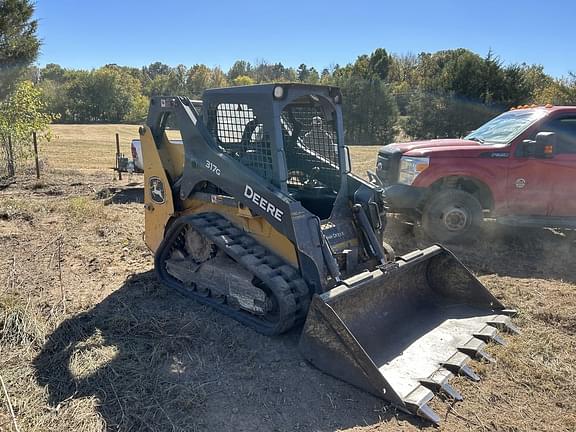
(452, 215)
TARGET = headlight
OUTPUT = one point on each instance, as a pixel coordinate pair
(410, 167)
(278, 92)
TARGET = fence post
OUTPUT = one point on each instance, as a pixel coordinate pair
(36, 155)
(10, 156)
(118, 156)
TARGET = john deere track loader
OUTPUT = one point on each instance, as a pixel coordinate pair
(255, 213)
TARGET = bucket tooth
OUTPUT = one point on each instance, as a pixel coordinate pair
(498, 339)
(469, 373)
(480, 355)
(503, 323)
(438, 383)
(457, 364)
(490, 334)
(428, 413)
(451, 392)
(508, 312)
(475, 349)
(417, 403)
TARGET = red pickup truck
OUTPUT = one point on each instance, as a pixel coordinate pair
(519, 168)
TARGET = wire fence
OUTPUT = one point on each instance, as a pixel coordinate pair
(9, 158)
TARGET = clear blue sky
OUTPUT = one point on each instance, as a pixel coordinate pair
(91, 33)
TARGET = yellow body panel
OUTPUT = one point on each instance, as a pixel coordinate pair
(170, 158)
(156, 214)
(173, 156)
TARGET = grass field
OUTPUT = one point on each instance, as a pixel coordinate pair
(94, 147)
(86, 146)
(89, 341)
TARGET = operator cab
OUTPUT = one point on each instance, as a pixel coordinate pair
(307, 134)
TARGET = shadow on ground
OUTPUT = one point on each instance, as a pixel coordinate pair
(129, 195)
(158, 361)
(126, 195)
(524, 253)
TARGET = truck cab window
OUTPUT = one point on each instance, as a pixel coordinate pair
(565, 130)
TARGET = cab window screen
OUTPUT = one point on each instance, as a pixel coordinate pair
(311, 144)
(237, 131)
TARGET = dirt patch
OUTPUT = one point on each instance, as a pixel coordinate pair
(89, 341)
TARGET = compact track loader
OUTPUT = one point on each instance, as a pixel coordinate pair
(255, 212)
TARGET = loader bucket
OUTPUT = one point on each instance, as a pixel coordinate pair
(402, 332)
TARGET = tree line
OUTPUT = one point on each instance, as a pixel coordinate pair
(428, 95)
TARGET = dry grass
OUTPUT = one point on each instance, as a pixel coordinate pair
(90, 342)
(363, 158)
(89, 146)
(19, 324)
(86, 146)
(94, 147)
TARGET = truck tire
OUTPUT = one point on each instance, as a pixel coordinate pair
(452, 215)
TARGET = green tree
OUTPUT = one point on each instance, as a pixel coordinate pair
(199, 78)
(326, 77)
(53, 72)
(158, 86)
(558, 92)
(19, 43)
(361, 67)
(379, 63)
(454, 91)
(242, 80)
(402, 69)
(425, 116)
(370, 112)
(516, 88)
(138, 111)
(155, 69)
(307, 75)
(218, 78)
(290, 75)
(108, 94)
(239, 68)
(279, 73)
(441, 115)
(113, 93)
(78, 97)
(176, 83)
(21, 114)
(494, 80)
(55, 96)
(264, 72)
(534, 79)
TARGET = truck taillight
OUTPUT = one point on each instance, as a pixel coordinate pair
(134, 153)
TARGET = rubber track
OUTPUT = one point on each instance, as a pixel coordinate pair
(290, 290)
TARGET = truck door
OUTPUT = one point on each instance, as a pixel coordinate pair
(528, 184)
(562, 198)
(545, 187)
